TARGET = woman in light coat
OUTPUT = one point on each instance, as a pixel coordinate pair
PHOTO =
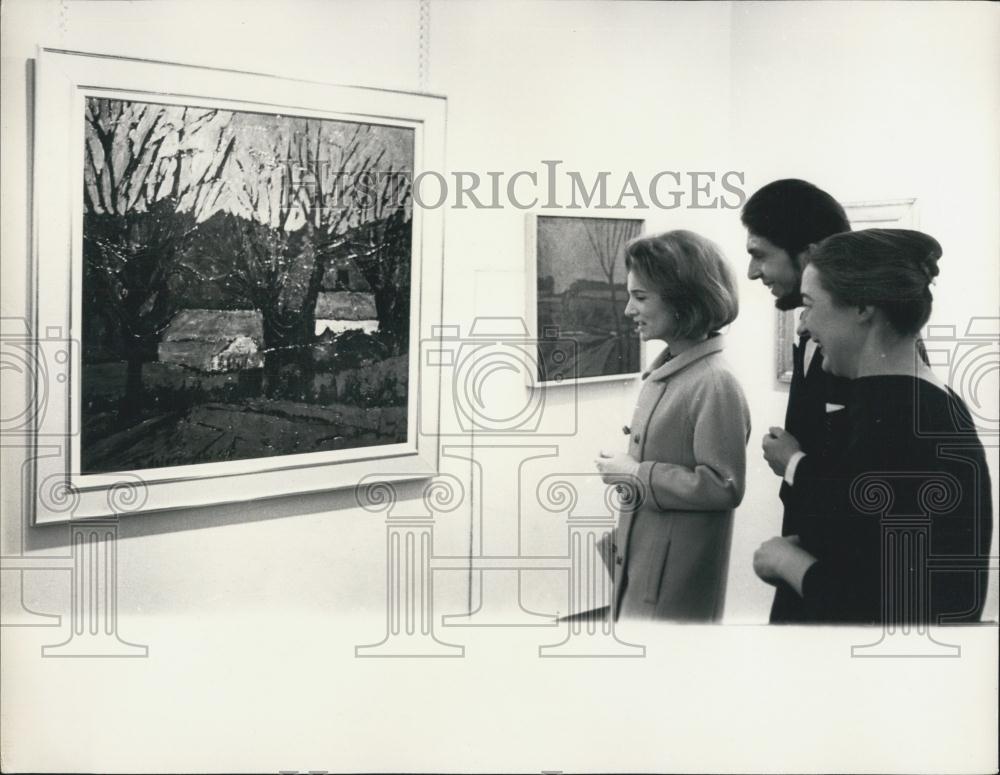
(686, 457)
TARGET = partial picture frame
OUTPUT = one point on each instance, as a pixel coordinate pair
(871, 214)
(576, 282)
(230, 277)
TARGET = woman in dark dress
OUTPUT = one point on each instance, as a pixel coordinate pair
(898, 528)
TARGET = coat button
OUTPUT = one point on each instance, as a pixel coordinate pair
(636, 438)
(618, 560)
(626, 430)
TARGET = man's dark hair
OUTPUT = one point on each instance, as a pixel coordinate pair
(793, 214)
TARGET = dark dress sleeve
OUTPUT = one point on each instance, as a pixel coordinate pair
(900, 524)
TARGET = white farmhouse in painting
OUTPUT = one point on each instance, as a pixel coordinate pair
(338, 311)
(214, 340)
(345, 301)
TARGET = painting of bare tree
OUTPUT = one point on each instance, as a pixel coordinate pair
(581, 296)
(246, 284)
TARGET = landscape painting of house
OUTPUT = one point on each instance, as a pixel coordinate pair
(581, 296)
(214, 340)
(346, 301)
(246, 285)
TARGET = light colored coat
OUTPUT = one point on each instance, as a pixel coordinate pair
(689, 433)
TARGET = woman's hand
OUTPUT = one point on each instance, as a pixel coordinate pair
(779, 446)
(782, 559)
(617, 468)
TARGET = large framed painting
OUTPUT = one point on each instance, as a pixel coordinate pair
(577, 297)
(237, 266)
(877, 214)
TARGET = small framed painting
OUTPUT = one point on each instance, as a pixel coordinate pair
(577, 297)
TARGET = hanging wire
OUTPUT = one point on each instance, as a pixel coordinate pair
(424, 44)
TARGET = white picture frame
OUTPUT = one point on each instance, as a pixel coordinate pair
(64, 81)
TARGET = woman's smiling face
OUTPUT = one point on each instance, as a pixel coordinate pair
(835, 329)
(654, 318)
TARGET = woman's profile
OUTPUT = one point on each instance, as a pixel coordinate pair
(687, 437)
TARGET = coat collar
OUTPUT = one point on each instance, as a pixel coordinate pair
(661, 368)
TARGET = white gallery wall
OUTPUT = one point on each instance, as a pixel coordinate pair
(869, 101)
(765, 90)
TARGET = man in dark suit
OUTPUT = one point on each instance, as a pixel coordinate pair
(783, 219)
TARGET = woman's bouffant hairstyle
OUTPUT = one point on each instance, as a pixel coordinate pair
(890, 269)
(690, 274)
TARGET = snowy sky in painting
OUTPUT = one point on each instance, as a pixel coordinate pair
(153, 139)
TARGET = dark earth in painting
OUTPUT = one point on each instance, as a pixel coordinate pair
(246, 285)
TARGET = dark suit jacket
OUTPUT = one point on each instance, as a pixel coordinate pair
(819, 433)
